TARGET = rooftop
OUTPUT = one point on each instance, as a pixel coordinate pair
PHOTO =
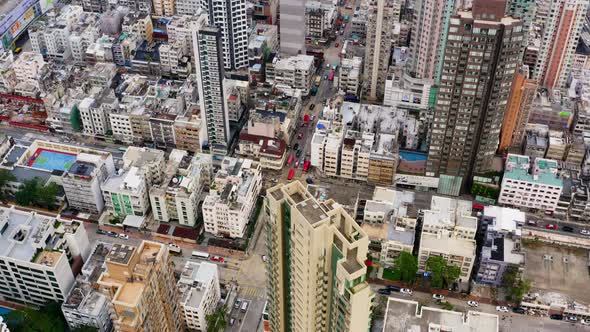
(193, 280)
(445, 242)
(407, 315)
(450, 212)
(542, 171)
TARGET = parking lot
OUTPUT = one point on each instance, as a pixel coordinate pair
(558, 269)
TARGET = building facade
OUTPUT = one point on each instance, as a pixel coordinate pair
(378, 48)
(315, 267)
(200, 293)
(292, 23)
(467, 121)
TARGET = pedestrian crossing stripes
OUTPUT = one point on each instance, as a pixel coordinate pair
(252, 292)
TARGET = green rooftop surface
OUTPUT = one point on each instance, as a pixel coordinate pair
(522, 174)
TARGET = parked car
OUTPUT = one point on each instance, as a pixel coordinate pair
(112, 234)
(100, 231)
(123, 236)
(311, 107)
(502, 308)
(328, 65)
(336, 45)
(405, 291)
(585, 322)
(519, 310)
(567, 229)
(217, 259)
(571, 319)
(309, 180)
(438, 297)
(232, 321)
(551, 226)
(384, 291)
(237, 304)
(264, 258)
(473, 304)
(393, 288)
(296, 146)
(556, 316)
(298, 153)
(531, 223)
(585, 232)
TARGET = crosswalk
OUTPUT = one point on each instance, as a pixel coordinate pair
(252, 292)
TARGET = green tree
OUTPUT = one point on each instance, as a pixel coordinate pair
(27, 194)
(442, 274)
(406, 266)
(216, 321)
(47, 319)
(76, 119)
(46, 195)
(5, 177)
(515, 285)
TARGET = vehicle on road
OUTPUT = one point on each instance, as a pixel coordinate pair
(531, 223)
(384, 291)
(237, 304)
(306, 164)
(290, 160)
(474, 304)
(244, 306)
(585, 322)
(393, 288)
(325, 77)
(297, 163)
(232, 321)
(502, 308)
(556, 316)
(291, 174)
(571, 319)
(174, 248)
(298, 153)
(336, 45)
(300, 136)
(309, 180)
(112, 234)
(438, 297)
(519, 310)
(18, 50)
(200, 254)
(327, 65)
(331, 76)
(405, 291)
(100, 231)
(585, 232)
(264, 258)
(551, 226)
(311, 107)
(567, 229)
(296, 146)
(122, 236)
(217, 259)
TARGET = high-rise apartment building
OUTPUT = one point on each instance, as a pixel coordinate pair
(140, 284)
(164, 7)
(378, 48)
(209, 70)
(525, 10)
(431, 17)
(562, 30)
(315, 268)
(480, 60)
(200, 292)
(517, 112)
(230, 17)
(292, 27)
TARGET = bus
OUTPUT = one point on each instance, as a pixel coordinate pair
(201, 255)
(291, 174)
(306, 166)
(331, 77)
(122, 149)
(290, 160)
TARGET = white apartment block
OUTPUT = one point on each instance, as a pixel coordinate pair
(7, 77)
(292, 18)
(449, 214)
(177, 198)
(150, 162)
(349, 81)
(232, 197)
(121, 126)
(27, 67)
(535, 185)
(456, 251)
(35, 251)
(230, 17)
(94, 119)
(294, 72)
(187, 7)
(325, 147)
(126, 194)
(200, 293)
(82, 181)
(174, 61)
(407, 91)
(179, 30)
(164, 7)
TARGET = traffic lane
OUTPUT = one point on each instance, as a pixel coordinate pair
(576, 229)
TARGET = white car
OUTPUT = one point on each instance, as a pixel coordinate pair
(571, 319)
(405, 291)
(585, 232)
(473, 304)
(123, 236)
(501, 309)
(585, 322)
(438, 297)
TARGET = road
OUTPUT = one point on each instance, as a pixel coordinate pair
(543, 221)
(509, 322)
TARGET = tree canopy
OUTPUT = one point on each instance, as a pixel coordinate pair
(47, 319)
(33, 192)
(5, 177)
(515, 285)
(442, 273)
(406, 267)
(216, 321)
